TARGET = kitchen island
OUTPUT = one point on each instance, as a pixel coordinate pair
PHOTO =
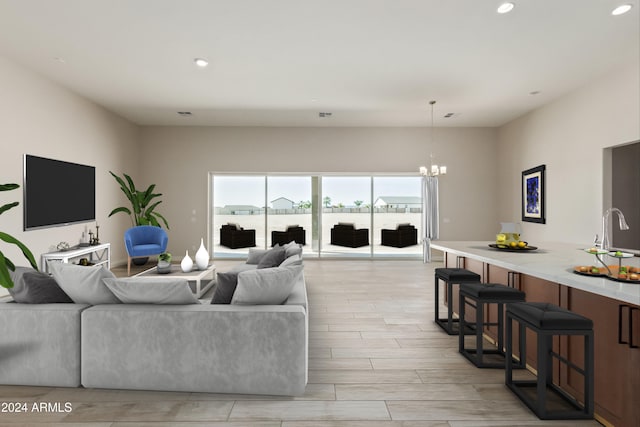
(546, 275)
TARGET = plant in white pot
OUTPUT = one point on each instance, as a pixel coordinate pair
(164, 263)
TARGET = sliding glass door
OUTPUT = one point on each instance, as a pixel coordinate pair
(333, 216)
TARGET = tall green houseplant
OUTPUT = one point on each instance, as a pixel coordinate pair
(5, 263)
(143, 206)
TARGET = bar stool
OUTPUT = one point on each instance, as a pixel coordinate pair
(451, 276)
(548, 320)
(482, 294)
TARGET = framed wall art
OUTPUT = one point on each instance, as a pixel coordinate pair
(533, 194)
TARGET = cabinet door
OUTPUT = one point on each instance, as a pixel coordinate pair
(616, 376)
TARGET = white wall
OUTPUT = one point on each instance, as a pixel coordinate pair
(178, 160)
(569, 135)
(41, 118)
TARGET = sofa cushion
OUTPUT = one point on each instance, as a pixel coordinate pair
(139, 290)
(34, 287)
(84, 284)
(273, 257)
(266, 286)
(292, 260)
(225, 287)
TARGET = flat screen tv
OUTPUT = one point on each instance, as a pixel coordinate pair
(57, 193)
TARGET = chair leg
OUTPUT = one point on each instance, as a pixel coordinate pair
(128, 266)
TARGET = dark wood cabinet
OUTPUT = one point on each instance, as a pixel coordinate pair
(617, 361)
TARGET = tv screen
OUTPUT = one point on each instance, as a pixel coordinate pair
(57, 193)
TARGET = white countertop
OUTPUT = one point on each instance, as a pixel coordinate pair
(552, 261)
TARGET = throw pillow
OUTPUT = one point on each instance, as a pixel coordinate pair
(84, 284)
(34, 287)
(266, 286)
(138, 290)
(255, 255)
(225, 287)
(273, 257)
(292, 248)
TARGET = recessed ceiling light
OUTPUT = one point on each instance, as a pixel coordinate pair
(505, 7)
(60, 60)
(622, 9)
(201, 62)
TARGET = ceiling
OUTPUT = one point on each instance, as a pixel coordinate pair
(281, 62)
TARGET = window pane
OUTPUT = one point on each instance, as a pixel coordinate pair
(346, 200)
(290, 208)
(238, 200)
(397, 205)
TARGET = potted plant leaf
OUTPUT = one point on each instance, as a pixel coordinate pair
(5, 263)
(164, 263)
(143, 203)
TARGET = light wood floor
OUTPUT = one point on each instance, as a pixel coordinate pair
(376, 360)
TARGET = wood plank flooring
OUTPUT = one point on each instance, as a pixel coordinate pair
(376, 360)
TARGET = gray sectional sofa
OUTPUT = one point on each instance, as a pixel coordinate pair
(215, 348)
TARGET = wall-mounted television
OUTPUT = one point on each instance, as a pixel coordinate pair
(57, 192)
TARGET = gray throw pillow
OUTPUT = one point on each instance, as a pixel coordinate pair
(255, 255)
(225, 287)
(270, 286)
(292, 248)
(84, 284)
(140, 290)
(34, 287)
(272, 258)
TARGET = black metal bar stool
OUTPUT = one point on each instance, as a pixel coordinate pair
(547, 320)
(451, 276)
(478, 295)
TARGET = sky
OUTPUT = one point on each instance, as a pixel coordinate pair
(249, 190)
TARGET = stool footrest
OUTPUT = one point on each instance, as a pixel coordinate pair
(455, 327)
(572, 411)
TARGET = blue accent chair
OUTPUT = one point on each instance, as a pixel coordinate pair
(143, 241)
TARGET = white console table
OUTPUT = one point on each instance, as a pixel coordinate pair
(97, 254)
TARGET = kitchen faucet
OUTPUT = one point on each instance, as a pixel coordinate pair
(622, 223)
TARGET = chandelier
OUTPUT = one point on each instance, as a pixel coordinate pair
(433, 169)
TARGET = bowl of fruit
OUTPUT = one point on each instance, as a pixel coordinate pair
(513, 246)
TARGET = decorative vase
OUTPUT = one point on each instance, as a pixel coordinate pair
(187, 263)
(202, 256)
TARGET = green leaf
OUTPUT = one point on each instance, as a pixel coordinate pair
(8, 206)
(8, 187)
(120, 209)
(166, 224)
(25, 251)
(5, 277)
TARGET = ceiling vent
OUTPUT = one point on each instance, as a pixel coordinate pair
(185, 113)
(324, 114)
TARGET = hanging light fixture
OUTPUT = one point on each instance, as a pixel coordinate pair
(433, 169)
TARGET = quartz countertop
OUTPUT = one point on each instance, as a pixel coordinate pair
(552, 261)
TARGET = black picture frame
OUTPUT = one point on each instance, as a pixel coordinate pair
(533, 195)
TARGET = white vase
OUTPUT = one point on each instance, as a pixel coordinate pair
(187, 263)
(202, 256)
